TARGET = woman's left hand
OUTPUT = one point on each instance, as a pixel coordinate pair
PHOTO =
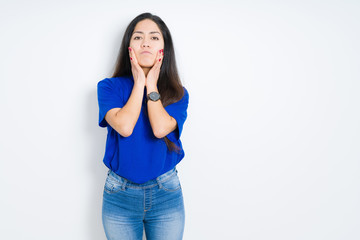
(153, 75)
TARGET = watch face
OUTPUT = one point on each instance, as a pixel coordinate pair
(154, 96)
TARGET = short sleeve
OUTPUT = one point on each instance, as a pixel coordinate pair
(178, 111)
(108, 98)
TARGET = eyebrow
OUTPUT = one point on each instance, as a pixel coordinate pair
(143, 32)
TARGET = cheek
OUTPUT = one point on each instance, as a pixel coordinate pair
(134, 46)
(135, 49)
(161, 46)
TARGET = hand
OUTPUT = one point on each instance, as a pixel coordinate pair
(153, 75)
(137, 71)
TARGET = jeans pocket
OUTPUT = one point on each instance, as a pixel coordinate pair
(171, 184)
(112, 185)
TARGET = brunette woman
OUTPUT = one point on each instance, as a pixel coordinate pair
(144, 107)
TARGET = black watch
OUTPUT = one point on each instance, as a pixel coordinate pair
(153, 96)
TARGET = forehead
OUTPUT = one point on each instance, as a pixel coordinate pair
(147, 26)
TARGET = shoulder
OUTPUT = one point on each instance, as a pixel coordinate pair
(185, 97)
(115, 81)
(186, 93)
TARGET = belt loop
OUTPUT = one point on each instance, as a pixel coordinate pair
(158, 182)
(123, 184)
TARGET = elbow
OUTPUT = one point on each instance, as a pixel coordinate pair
(160, 133)
(125, 131)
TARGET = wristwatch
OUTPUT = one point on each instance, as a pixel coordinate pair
(153, 96)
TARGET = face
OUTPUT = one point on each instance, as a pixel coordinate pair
(146, 41)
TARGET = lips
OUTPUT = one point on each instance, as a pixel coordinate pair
(144, 52)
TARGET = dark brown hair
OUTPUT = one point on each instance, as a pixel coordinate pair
(169, 84)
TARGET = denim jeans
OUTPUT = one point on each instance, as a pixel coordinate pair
(156, 206)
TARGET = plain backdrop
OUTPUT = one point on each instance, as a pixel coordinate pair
(272, 136)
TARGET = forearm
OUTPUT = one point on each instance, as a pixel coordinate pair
(128, 115)
(161, 122)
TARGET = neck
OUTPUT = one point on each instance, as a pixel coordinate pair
(146, 71)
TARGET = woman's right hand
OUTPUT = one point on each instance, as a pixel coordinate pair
(137, 71)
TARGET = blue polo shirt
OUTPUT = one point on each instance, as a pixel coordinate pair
(141, 156)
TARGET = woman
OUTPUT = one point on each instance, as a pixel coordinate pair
(144, 107)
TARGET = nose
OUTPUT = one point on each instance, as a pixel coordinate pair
(145, 42)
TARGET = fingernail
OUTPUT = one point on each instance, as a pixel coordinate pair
(129, 48)
(131, 58)
(159, 59)
(159, 51)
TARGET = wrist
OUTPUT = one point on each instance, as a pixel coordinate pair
(150, 89)
(139, 84)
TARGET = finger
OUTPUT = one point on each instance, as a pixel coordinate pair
(132, 56)
(157, 63)
(161, 54)
(129, 48)
(155, 69)
(159, 58)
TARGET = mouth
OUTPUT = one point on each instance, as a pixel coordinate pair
(146, 52)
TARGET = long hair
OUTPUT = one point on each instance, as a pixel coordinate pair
(169, 84)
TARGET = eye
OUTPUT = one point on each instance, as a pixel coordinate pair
(156, 38)
(137, 37)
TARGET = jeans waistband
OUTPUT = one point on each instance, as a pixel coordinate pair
(151, 183)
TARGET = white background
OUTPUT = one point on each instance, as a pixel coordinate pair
(272, 136)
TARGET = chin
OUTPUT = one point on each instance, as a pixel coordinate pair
(146, 64)
(146, 61)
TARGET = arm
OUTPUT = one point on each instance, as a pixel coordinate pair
(161, 122)
(123, 119)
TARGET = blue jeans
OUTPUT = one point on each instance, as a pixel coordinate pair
(156, 206)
